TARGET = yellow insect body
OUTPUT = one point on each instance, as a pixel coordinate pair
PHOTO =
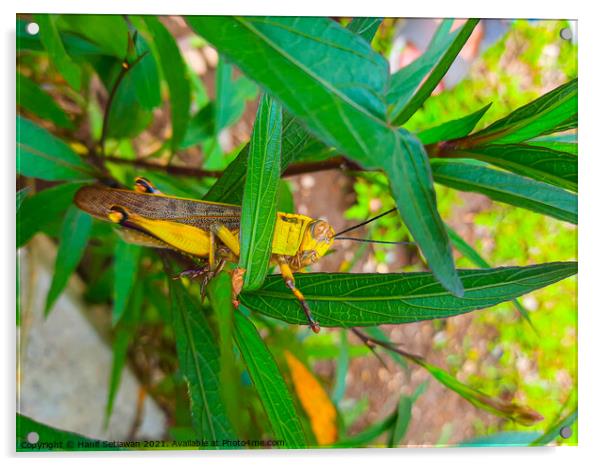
(205, 229)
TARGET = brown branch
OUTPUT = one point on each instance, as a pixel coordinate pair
(295, 169)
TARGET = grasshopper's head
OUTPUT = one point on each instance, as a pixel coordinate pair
(317, 240)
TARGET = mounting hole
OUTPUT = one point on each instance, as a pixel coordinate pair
(32, 29)
(33, 438)
(566, 34)
(566, 432)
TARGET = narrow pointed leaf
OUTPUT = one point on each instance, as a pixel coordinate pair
(31, 97)
(43, 208)
(522, 414)
(342, 367)
(258, 217)
(145, 76)
(343, 82)
(440, 55)
(175, 73)
(367, 436)
(540, 163)
(52, 42)
(508, 188)
(42, 155)
(125, 271)
(73, 240)
(270, 385)
(554, 111)
(452, 129)
(198, 356)
(347, 300)
(569, 147)
(502, 439)
(365, 27)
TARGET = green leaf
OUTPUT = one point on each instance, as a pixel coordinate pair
(554, 431)
(404, 416)
(473, 256)
(554, 111)
(176, 75)
(507, 187)
(198, 356)
(220, 295)
(127, 117)
(270, 385)
(52, 439)
(30, 96)
(540, 163)
(51, 40)
(411, 181)
(365, 27)
(347, 300)
(441, 53)
(109, 32)
(43, 208)
(343, 82)
(73, 240)
(452, 129)
(145, 76)
(125, 270)
(200, 127)
(286, 201)
(125, 331)
(369, 434)
(569, 147)
(42, 155)
(258, 217)
(231, 95)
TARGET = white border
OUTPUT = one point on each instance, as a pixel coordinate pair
(590, 320)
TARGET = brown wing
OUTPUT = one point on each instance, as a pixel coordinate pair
(98, 199)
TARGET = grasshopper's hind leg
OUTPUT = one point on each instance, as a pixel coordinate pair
(289, 279)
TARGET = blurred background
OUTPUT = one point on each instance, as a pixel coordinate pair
(66, 359)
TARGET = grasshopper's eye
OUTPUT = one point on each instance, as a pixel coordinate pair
(142, 185)
(117, 214)
(321, 230)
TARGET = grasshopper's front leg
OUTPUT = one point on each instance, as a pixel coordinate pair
(289, 279)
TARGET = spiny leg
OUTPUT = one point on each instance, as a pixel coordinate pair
(289, 279)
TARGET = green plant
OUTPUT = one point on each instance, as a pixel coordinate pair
(326, 94)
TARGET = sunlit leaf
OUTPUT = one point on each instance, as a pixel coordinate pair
(508, 188)
(452, 129)
(231, 95)
(408, 89)
(347, 300)
(110, 32)
(258, 217)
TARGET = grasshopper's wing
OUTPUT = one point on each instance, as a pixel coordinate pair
(97, 200)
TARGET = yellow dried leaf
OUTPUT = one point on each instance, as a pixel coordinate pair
(315, 401)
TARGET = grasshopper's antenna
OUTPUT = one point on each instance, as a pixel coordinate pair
(363, 240)
(364, 223)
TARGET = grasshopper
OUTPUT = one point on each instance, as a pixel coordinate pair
(206, 230)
